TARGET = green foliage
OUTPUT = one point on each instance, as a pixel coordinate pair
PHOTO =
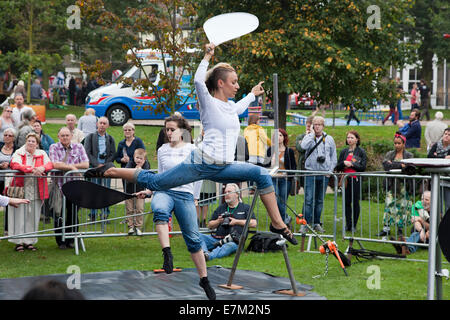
(320, 47)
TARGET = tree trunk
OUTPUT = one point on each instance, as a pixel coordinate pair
(282, 107)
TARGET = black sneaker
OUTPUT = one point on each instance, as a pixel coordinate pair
(286, 233)
(210, 293)
(168, 260)
(98, 172)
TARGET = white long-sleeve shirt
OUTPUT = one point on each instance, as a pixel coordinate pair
(220, 120)
(3, 201)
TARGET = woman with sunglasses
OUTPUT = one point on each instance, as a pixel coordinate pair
(6, 121)
(127, 146)
(7, 148)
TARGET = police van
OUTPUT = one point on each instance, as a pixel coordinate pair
(120, 102)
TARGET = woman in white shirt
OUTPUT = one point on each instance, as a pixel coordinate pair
(179, 199)
(213, 159)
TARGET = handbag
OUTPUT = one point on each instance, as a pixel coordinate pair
(15, 192)
(55, 199)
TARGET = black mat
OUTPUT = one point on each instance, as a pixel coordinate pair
(146, 285)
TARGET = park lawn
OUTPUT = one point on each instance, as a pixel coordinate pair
(399, 279)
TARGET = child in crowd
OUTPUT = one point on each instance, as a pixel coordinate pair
(136, 205)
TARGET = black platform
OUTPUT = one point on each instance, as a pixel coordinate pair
(146, 285)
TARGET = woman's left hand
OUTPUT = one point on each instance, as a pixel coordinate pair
(258, 89)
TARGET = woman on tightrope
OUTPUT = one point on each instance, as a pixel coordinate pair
(213, 159)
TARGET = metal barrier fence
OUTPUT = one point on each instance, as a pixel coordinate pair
(370, 192)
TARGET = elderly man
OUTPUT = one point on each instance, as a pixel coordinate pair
(420, 218)
(228, 220)
(65, 156)
(100, 148)
(77, 134)
(435, 130)
(320, 156)
(19, 109)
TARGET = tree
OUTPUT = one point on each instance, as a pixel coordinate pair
(165, 21)
(34, 36)
(327, 48)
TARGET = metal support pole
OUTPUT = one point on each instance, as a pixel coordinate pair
(282, 242)
(276, 121)
(242, 240)
(434, 252)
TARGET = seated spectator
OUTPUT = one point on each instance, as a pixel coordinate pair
(420, 218)
(46, 140)
(228, 220)
(414, 132)
(435, 130)
(396, 207)
(441, 149)
(30, 161)
(88, 122)
(25, 126)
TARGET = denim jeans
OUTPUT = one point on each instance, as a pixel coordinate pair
(105, 211)
(182, 204)
(413, 238)
(197, 167)
(315, 188)
(282, 189)
(224, 250)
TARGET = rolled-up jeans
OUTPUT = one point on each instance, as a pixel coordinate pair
(182, 204)
(224, 250)
(198, 166)
(315, 187)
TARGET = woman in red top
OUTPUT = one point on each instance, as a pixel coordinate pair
(352, 159)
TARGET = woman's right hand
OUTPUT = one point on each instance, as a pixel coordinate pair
(209, 51)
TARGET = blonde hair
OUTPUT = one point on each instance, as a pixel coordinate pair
(35, 135)
(129, 125)
(318, 119)
(140, 152)
(218, 72)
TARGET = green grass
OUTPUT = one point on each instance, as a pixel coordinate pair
(399, 279)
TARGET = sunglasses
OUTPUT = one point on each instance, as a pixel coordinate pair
(8, 135)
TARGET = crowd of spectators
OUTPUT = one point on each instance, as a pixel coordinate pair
(25, 147)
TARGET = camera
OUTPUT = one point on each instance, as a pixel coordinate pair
(232, 236)
(226, 219)
(102, 156)
(320, 159)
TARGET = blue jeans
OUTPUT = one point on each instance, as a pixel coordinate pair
(208, 242)
(399, 109)
(182, 204)
(282, 189)
(105, 211)
(196, 167)
(413, 238)
(315, 188)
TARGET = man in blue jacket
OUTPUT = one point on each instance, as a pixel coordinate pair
(414, 132)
